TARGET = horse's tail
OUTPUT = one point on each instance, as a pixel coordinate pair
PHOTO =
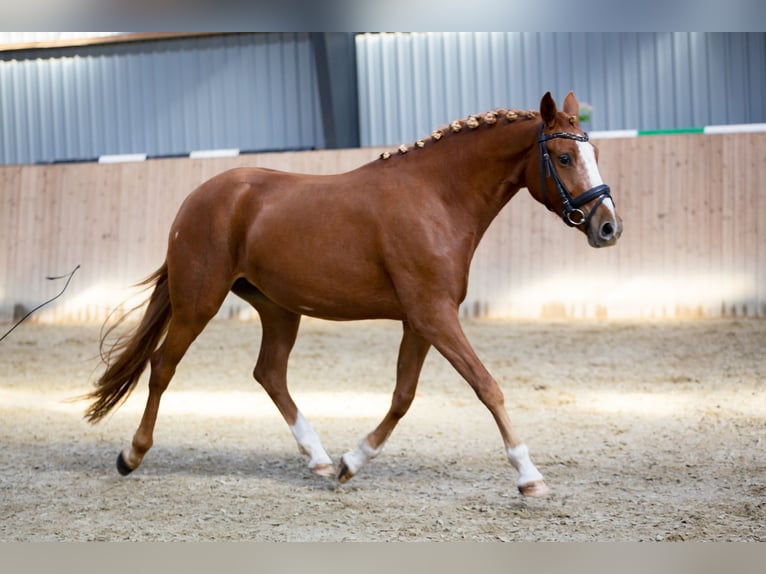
(128, 356)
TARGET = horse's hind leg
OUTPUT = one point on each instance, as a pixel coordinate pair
(280, 329)
(189, 318)
(412, 353)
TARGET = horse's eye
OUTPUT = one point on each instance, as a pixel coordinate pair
(565, 159)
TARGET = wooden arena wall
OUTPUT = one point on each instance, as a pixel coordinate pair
(694, 209)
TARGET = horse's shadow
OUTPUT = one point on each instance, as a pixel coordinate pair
(89, 470)
(219, 463)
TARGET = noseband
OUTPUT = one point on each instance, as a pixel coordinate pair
(572, 214)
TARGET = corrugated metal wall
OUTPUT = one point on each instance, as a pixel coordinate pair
(260, 92)
(246, 91)
(411, 83)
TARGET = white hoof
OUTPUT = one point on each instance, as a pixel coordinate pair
(323, 470)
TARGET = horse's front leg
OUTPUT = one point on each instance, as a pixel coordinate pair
(442, 329)
(412, 353)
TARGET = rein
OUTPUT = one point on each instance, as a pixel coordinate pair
(572, 212)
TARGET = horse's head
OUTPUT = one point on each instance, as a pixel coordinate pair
(564, 175)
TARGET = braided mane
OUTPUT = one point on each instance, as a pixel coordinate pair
(470, 123)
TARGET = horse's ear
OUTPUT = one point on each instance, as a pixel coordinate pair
(548, 109)
(571, 106)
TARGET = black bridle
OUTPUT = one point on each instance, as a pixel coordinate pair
(572, 212)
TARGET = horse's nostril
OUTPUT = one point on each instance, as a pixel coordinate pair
(607, 230)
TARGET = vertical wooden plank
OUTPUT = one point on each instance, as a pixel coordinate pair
(679, 205)
(26, 288)
(728, 204)
(10, 200)
(107, 255)
(617, 162)
(715, 266)
(655, 215)
(52, 255)
(759, 160)
(71, 222)
(748, 231)
(739, 222)
(664, 271)
(645, 215)
(709, 200)
(700, 220)
(739, 218)
(632, 199)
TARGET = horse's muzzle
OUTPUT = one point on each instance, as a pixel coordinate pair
(604, 231)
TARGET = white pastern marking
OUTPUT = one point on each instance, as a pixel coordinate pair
(356, 459)
(520, 460)
(308, 442)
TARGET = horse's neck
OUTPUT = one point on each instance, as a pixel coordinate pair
(480, 172)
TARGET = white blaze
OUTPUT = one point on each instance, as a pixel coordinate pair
(589, 168)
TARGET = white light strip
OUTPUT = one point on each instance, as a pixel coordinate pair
(120, 158)
(613, 134)
(208, 153)
(735, 129)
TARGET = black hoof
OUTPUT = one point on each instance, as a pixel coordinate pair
(122, 467)
(344, 473)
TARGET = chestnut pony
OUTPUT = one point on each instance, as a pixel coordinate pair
(392, 239)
